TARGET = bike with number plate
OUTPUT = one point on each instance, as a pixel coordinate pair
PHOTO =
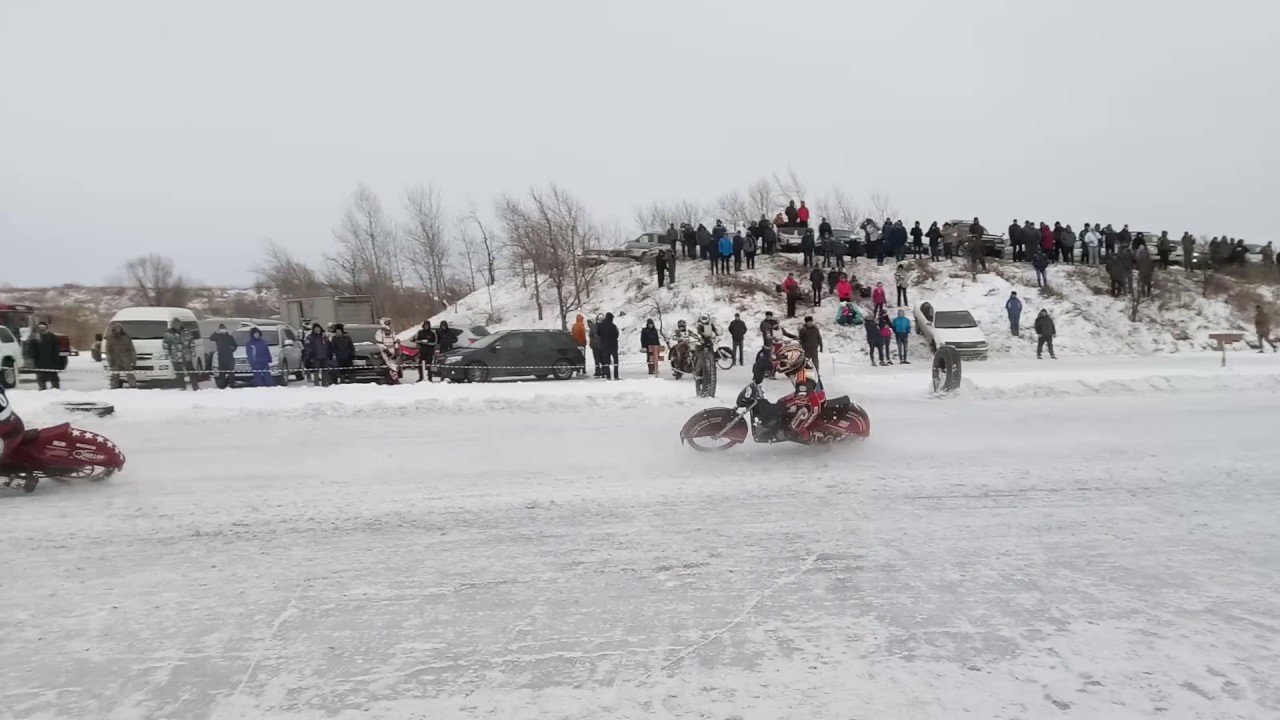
(60, 452)
(718, 429)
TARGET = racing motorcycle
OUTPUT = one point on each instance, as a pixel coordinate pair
(718, 429)
(60, 452)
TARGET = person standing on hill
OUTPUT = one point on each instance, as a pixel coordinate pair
(917, 241)
(750, 244)
(1188, 252)
(811, 340)
(739, 244)
(738, 332)
(1044, 334)
(902, 333)
(672, 237)
(935, 240)
(648, 341)
(802, 215)
(815, 284)
(660, 266)
(900, 279)
(793, 215)
(1164, 248)
(1040, 261)
(690, 237)
(608, 333)
(807, 247)
(1015, 240)
(703, 241)
(1013, 306)
(878, 299)
(873, 338)
(726, 252)
(1262, 323)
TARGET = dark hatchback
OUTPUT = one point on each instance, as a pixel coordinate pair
(514, 353)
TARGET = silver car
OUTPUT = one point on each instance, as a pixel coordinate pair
(286, 353)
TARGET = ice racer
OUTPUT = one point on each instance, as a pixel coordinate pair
(794, 413)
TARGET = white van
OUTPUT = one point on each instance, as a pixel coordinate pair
(146, 326)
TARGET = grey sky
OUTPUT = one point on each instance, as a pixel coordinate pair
(201, 130)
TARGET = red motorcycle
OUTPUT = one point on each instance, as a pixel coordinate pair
(60, 452)
(717, 429)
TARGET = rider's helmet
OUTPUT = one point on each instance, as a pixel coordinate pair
(704, 319)
(790, 358)
(682, 325)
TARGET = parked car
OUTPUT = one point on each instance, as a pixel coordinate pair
(850, 242)
(464, 331)
(515, 353)
(944, 322)
(369, 363)
(286, 353)
(642, 248)
(146, 326)
(10, 358)
(993, 245)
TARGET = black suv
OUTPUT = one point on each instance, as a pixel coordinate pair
(514, 353)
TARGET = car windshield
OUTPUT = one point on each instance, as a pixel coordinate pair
(362, 335)
(953, 319)
(271, 336)
(144, 329)
(479, 331)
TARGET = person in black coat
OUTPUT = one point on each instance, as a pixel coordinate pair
(608, 333)
(704, 242)
(672, 237)
(660, 266)
(739, 243)
(343, 349)
(224, 352)
(426, 339)
(1015, 240)
(648, 340)
(816, 276)
(824, 229)
(737, 331)
(811, 341)
(690, 237)
(42, 350)
(806, 247)
(917, 240)
(445, 338)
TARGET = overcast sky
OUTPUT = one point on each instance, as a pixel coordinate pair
(201, 130)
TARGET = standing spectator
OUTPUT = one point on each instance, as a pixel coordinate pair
(802, 215)
(690, 237)
(121, 356)
(719, 230)
(445, 338)
(45, 356)
(648, 341)
(316, 351)
(1146, 269)
(224, 353)
(824, 230)
(1040, 261)
(95, 351)
(660, 266)
(1109, 238)
(1090, 240)
(1044, 334)
(738, 332)
(873, 339)
(806, 247)
(1048, 241)
(935, 240)
(609, 344)
(1068, 244)
(902, 333)
(1262, 323)
(900, 279)
(1188, 251)
(749, 246)
(844, 289)
(793, 296)
(344, 353)
(878, 299)
(1030, 240)
(883, 244)
(1015, 240)
(1013, 306)
(815, 284)
(828, 239)
(899, 241)
(1164, 248)
(1056, 253)
(1125, 238)
(579, 332)
(258, 353)
(949, 244)
(769, 236)
(917, 241)
(726, 252)
(886, 337)
(703, 239)
(739, 244)
(833, 279)
(597, 355)
(671, 266)
(426, 340)
(793, 215)
(811, 340)
(672, 237)
(1268, 254)
(180, 346)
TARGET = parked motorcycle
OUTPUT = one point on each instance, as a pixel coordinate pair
(60, 452)
(718, 429)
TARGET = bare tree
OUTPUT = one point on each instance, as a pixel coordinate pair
(657, 216)
(289, 276)
(156, 283)
(839, 208)
(490, 248)
(369, 260)
(761, 201)
(426, 250)
(882, 206)
(789, 186)
(733, 208)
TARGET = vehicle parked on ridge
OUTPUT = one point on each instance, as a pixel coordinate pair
(947, 323)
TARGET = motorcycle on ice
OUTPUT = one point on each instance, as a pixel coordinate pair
(60, 452)
(718, 429)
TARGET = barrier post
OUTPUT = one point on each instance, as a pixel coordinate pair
(655, 358)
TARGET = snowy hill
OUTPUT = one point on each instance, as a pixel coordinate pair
(1089, 321)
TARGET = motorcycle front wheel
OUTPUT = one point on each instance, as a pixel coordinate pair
(714, 430)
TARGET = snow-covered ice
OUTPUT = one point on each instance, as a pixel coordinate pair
(1086, 538)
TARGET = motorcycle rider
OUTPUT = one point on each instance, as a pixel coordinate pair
(795, 412)
(11, 427)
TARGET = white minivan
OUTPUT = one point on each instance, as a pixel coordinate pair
(146, 326)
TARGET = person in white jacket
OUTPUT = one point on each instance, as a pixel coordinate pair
(1090, 238)
(389, 346)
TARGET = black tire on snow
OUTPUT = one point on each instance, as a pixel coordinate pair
(8, 375)
(946, 370)
(562, 370)
(100, 409)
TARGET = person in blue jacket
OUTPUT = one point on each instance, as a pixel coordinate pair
(726, 252)
(259, 355)
(1014, 307)
(902, 331)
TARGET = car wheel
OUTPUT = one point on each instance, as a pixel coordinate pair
(562, 369)
(8, 375)
(477, 372)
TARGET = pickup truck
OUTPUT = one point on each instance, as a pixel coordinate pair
(644, 247)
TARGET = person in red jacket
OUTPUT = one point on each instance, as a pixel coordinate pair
(1046, 238)
(803, 215)
(844, 290)
(878, 297)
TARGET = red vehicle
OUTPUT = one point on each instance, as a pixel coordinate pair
(721, 428)
(60, 452)
(22, 319)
